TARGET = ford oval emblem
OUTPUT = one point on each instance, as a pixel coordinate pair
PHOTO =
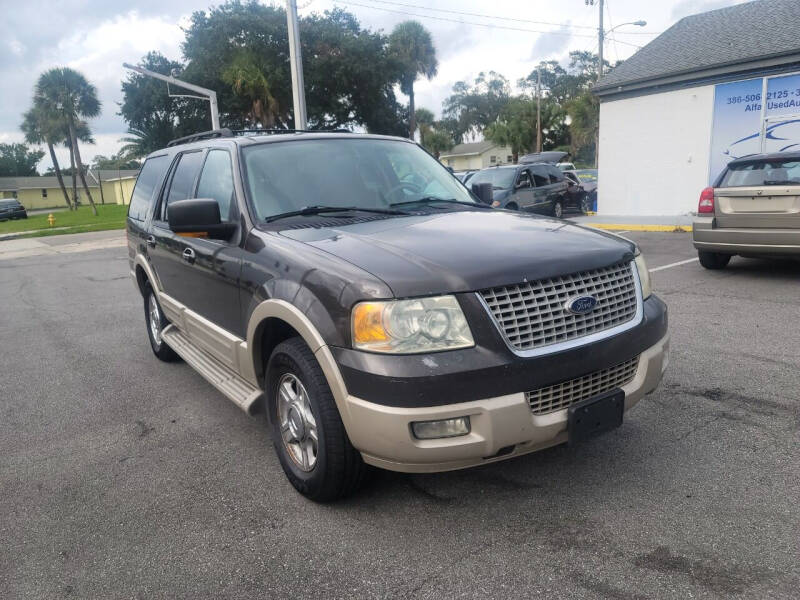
(581, 305)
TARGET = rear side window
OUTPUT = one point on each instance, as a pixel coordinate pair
(149, 177)
(216, 182)
(778, 172)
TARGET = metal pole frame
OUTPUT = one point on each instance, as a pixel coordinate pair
(210, 94)
(296, 60)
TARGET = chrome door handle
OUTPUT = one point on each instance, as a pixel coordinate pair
(151, 241)
(189, 255)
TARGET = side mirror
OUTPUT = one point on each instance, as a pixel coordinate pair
(198, 216)
(484, 192)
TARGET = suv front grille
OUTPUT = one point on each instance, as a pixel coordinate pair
(532, 314)
(562, 395)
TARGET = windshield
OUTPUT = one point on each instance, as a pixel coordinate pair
(587, 174)
(776, 172)
(362, 173)
(501, 179)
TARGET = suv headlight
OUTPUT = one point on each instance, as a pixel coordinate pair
(410, 326)
(644, 275)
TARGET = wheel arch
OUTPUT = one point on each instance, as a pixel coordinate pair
(145, 275)
(273, 321)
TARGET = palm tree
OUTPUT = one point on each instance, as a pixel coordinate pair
(66, 92)
(425, 119)
(412, 47)
(152, 136)
(40, 128)
(83, 134)
(247, 80)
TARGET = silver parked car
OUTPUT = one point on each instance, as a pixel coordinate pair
(753, 209)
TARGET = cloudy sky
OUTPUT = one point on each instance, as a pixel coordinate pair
(97, 36)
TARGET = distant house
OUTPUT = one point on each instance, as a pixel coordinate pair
(715, 86)
(44, 192)
(476, 155)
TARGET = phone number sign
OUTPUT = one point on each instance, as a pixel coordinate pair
(738, 107)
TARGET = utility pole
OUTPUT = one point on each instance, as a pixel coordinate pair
(538, 110)
(600, 42)
(296, 58)
(207, 94)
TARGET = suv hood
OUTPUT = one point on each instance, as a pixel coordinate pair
(465, 251)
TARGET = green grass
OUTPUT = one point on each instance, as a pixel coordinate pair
(109, 216)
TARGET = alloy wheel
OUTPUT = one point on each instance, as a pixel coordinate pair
(298, 426)
(155, 319)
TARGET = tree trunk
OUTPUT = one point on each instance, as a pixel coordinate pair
(57, 169)
(74, 180)
(80, 164)
(412, 118)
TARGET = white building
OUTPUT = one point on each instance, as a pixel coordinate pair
(476, 155)
(673, 114)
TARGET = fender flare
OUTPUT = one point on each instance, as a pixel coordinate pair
(150, 275)
(290, 314)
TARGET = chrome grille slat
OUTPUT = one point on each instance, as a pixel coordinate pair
(562, 395)
(532, 314)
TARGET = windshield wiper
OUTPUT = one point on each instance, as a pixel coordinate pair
(317, 209)
(429, 199)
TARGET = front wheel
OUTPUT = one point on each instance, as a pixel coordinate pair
(558, 209)
(713, 260)
(307, 430)
(586, 206)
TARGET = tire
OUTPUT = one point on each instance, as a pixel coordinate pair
(558, 209)
(313, 449)
(713, 260)
(512, 206)
(585, 205)
(155, 322)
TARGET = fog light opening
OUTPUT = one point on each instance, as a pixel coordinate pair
(446, 428)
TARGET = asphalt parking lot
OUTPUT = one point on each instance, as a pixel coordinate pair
(125, 477)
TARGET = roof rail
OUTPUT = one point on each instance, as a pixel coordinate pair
(203, 135)
(278, 131)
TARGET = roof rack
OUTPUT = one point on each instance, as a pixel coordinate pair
(227, 133)
(203, 135)
(278, 131)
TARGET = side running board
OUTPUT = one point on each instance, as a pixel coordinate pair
(241, 392)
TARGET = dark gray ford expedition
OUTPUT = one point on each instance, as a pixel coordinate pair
(351, 288)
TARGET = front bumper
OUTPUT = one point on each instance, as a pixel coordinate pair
(502, 426)
(775, 242)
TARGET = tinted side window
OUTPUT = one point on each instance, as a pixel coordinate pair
(149, 177)
(185, 175)
(216, 181)
(540, 178)
(523, 180)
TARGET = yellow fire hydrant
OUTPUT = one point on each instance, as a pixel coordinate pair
(51, 219)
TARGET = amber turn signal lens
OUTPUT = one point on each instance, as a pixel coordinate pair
(368, 323)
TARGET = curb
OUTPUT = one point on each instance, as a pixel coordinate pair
(635, 227)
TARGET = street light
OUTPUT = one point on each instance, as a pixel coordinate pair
(637, 23)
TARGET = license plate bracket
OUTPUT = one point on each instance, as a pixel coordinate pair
(595, 415)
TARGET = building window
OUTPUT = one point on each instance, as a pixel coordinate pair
(44, 193)
(509, 159)
(493, 159)
(14, 195)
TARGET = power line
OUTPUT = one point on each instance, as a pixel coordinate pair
(485, 16)
(462, 22)
(611, 28)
